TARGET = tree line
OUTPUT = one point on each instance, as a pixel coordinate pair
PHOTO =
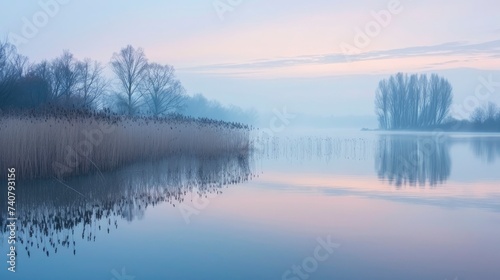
(415, 101)
(412, 101)
(486, 117)
(138, 87)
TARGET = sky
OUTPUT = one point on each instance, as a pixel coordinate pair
(317, 57)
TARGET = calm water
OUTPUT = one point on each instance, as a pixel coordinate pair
(356, 205)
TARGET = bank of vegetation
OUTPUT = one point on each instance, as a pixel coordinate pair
(421, 102)
(64, 117)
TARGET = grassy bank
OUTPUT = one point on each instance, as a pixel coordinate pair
(70, 142)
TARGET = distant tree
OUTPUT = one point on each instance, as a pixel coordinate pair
(403, 101)
(200, 107)
(65, 79)
(12, 67)
(491, 111)
(163, 93)
(32, 92)
(42, 72)
(92, 84)
(382, 104)
(486, 118)
(129, 66)
(478, 116)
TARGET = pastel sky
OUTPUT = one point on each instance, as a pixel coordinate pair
(275, 54)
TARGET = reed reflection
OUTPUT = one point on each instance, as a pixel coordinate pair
(55, 214)
(410, 160)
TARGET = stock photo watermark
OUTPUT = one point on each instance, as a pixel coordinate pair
(122, 275)
(222, 7)
(31, 26)
(364, 36)
(310, 264)
(82, 149)
(11, 219)
(483, 91)
(278, 123)
(198, 203)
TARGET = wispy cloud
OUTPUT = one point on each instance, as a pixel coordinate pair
(465, 49)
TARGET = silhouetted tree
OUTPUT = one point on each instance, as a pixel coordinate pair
(200, 107)
(92, 84)
(163, 93)
(129, 66)
(32, 92)
(414, 101)
(12, 67)
(65, 80)
(486, 118)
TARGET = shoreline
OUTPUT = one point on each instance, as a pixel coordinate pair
(69, 142)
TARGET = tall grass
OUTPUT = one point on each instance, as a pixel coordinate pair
(41, 145)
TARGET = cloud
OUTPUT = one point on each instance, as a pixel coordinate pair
(489, 48)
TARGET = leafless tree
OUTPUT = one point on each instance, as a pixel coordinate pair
(92, 84)
(404, 102)
(487, 114)
(129, 66)
(491, 111)
(162, 91)
(65, 78)
(478, 116)
(12, 67)
(382, 104)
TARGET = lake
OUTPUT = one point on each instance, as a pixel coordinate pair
(308, 205)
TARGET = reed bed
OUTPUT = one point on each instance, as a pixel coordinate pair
(53, 217)
(68, 143)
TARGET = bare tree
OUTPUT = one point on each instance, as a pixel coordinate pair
(92, 84)
(382, 104)
(491, 111)
(404, 102)
(486, 118)
(129, 66)
(32, 91)
(478, 116)
(423, 110)
(65, 78)
(12, 67)
(43, 71)
(162, 91)
(441, 99)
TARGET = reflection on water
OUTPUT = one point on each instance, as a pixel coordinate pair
(410, 160)
(486, 148)
(308, 186)
(54, 214)
(313, 148)
(401, 159)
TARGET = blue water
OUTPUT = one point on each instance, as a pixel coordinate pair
(387, 206)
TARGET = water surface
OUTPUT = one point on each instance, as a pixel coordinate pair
(397, 206)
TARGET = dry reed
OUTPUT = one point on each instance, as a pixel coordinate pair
(44, 145)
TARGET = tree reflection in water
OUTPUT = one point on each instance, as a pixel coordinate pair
(413, 160)
(53, 214)
(486, 148)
